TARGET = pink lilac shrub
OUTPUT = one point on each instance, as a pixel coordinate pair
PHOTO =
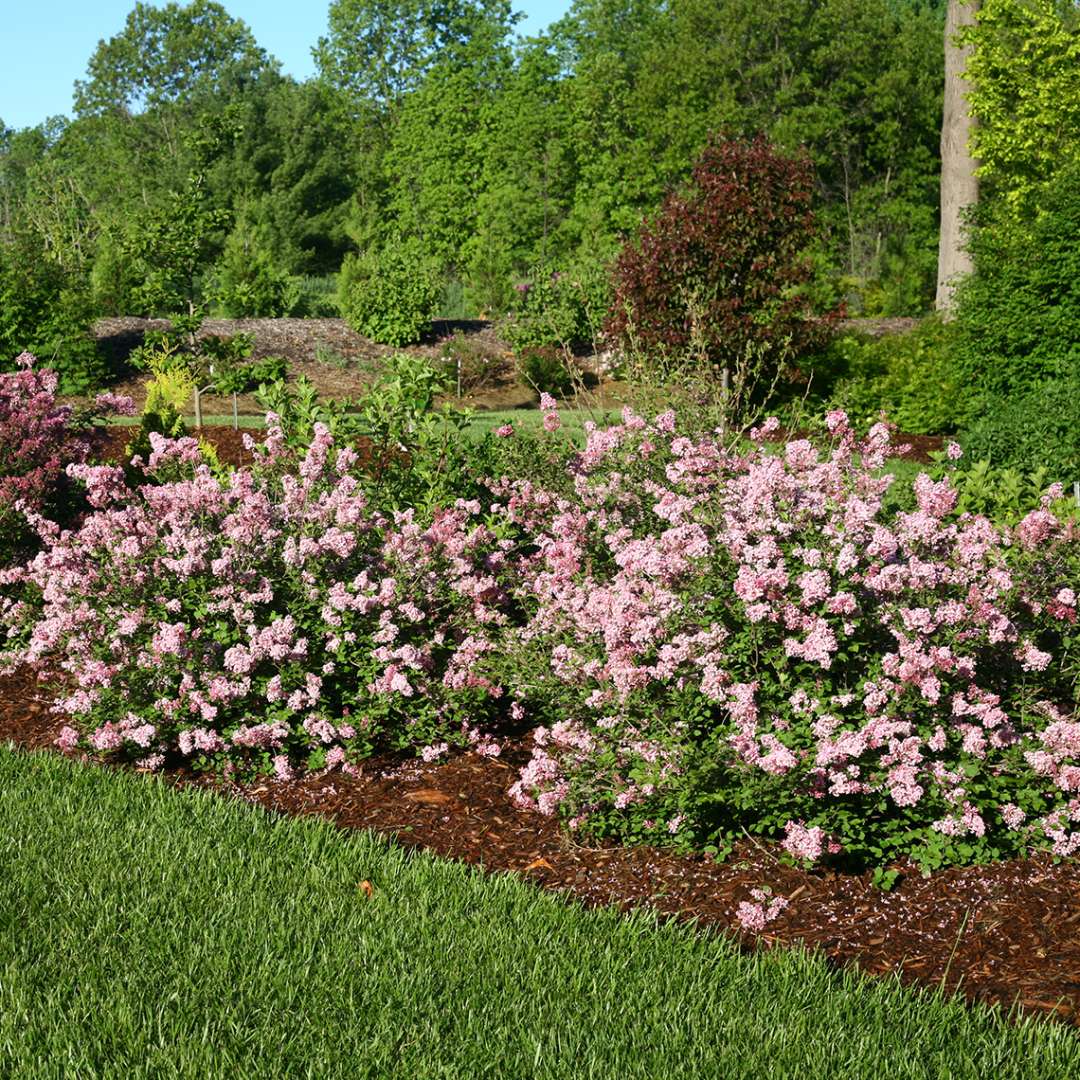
(709, 642)
(760, 910)
(270, 620)
(716, 641)
(37, 442)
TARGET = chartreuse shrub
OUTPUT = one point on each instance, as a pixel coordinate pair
(722, 270)
(708, 642)
(390, 294)
(441, 971)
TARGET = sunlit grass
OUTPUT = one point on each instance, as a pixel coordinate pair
(146, 932)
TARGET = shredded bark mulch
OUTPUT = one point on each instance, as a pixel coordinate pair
(342, 363)
(110, 443)
(1004, 933)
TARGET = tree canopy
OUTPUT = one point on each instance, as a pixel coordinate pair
(430, 120)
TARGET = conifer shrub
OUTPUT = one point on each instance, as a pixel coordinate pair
(390, 294)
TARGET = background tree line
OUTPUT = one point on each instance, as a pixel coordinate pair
(430, 124)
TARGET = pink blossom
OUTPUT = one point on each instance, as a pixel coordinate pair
(762, 909)
(802, 842)
(68, 739)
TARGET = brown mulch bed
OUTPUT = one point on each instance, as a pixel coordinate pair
(109, 443)
(342, 363)
(920, 447)
(1004, 933)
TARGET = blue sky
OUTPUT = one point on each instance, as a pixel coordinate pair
(47, 43)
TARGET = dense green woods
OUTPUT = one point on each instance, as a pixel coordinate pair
(432, 121)
(440, 164)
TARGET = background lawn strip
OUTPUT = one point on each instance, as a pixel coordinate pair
(148, 932)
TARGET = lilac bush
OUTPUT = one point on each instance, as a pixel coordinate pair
(716, 642)
(269, 621)
(708, 641)
(38, 439)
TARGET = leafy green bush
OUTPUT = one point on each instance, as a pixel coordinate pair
(229, 367)
(911, 377)
(546, 370)
(1018, 313)
(414, 455)
(1005, 496)
(44, 311)
(1028, 430)
(563, 308)
(390, 295)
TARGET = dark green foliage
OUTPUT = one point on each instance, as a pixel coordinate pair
(1035, 428)
(45, 311)
(910, 377)
(1019, 312)
(249, 376)
(390, 294)
(229, 367)
(720, 272)
(316, 297)
(1018, 318)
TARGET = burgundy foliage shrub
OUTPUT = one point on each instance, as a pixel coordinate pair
(726, 253)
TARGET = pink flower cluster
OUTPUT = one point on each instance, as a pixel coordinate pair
(755, 914)
(843, 665)
(36, 440)
(273, 618)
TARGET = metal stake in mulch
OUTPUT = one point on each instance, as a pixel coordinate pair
(199, 391)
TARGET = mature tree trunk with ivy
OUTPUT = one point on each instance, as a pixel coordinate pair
(959, 183)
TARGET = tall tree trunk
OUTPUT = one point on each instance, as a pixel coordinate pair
(959, 184)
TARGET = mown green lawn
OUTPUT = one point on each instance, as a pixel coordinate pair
(480, 423)
(146, 932)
